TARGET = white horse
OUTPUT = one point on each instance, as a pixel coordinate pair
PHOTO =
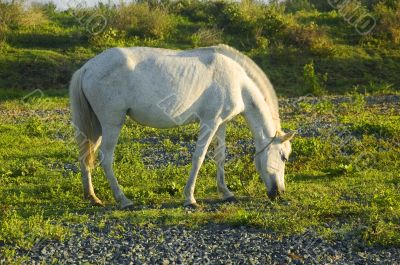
(164, 88)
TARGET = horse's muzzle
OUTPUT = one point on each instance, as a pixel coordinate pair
(275, 192)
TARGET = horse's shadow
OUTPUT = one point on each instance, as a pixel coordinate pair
(207, 205)
(212, 204)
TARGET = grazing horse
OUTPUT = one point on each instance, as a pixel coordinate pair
(164, 88)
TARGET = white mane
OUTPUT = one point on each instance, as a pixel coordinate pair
(257, 75)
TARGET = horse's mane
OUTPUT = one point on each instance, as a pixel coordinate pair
(258, 77)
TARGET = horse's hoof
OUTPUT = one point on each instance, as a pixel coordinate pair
(230, 200)
(96, 202)
(127, 205)
(192, 206)
(128, 208)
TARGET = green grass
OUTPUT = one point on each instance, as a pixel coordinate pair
(338, 190)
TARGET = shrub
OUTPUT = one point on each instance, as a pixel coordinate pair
(322, 6)
(142, 20)
(273, 22)
(13, 14)
(49, 8)
(240, 18)
(298, 5)
(315, 83)
(109, 37)
(32, 17)
(3, 34)
(207, 37)
(388, 24)
(252, 21)
(310, 36)
(196, 10)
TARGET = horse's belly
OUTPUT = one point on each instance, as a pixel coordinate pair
(158, 117)
(162, 99)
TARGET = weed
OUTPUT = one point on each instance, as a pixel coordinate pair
(312, 37)
(389, 21)
(35, 127)
(206, 37)
(143, 20)
(26, 231)
(315, 83)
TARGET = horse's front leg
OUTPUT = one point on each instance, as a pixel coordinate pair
(207, 132)
(220, 156)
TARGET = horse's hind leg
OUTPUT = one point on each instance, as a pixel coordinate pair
(219, 156)
(88, 190)
(110, 138)
(88, 145)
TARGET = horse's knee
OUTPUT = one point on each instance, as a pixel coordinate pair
(197, 157)
(106, 158)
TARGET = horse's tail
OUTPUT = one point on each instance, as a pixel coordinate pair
(85, 121)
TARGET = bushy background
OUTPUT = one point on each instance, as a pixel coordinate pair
(305, 46)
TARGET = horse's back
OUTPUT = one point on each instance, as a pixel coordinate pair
(140, 80)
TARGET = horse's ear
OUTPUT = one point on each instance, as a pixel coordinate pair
(286, 137)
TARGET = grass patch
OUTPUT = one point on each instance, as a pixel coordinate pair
(338, 190)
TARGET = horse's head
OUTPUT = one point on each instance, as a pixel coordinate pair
(270, 162)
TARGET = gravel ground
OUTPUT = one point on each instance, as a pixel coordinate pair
(208, 245)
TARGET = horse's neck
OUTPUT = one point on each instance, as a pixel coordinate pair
(257, 76)
(260, 119)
